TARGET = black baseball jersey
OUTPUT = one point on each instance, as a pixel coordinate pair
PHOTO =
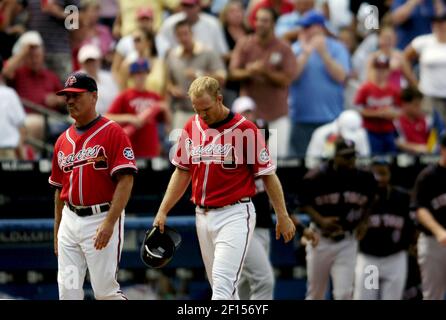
(341, 193)
(430, 193)
(389, 226)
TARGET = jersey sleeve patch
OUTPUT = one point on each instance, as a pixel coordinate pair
(128, 153)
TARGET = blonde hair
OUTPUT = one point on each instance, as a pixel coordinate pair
(203, 85)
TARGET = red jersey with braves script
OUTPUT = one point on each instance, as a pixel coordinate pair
(145, 141)
(373, 97)
(84, 162)
(223, 160)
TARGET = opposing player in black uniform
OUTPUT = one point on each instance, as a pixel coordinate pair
(335, 195)
(382, 262)
(430, 205)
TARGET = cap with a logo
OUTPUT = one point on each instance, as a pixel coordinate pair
(381, 62)
(243, 104)
(349, 124)
(140, 65)
(89, 51)
(78, 82)
(344, 147)
(312, 17)
(144, 12)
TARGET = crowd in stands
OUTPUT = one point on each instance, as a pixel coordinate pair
(302, 63)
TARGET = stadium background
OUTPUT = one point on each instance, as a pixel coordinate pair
(28, 266)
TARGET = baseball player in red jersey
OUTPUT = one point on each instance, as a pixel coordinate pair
(222, 153)
(93, 167)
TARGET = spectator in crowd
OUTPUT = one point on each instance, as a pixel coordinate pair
(185, 63)
(430, 51)
(323, 66)
(401, 73)
(145, 49)
(12, 123)
(49, 19)
(205, 27)
(89, 58)
(126, 45)
(417, 131)
(280, 7)
(13, 20)
(412, 18)
(379, 103)
(125, 22)
(91, 32)
(336, 195)
(287, 26)
(232, 18)
(428, 203)
(265, 65)
(348, 126)
(139, 112)
(384, 240)
(27, 73)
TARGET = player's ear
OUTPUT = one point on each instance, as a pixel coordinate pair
(94, 95)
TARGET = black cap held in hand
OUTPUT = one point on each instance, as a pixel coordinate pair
(78, 82)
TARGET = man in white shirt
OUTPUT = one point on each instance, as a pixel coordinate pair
(205, 27)
(89, 57)
(430, 51)
(322, 143)
(12, 120)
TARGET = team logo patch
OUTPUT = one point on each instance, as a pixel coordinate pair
(128, 153)
(70, 81)
(264, 155)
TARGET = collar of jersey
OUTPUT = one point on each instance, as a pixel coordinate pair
(84, 128)
(228, 118)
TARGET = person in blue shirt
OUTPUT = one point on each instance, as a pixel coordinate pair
(316, 95)
(412, 18)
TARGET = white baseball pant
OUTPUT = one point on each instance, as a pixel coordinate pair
(432, 262)
(257, 279)
(224, 235)
(391, 276)
(337, 259)
(76, 253)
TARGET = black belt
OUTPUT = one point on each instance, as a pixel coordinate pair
(89, 211)
(243, 200)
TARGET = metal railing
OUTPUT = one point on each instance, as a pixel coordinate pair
(43, 145)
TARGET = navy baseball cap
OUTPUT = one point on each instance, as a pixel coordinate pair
(78, 82)
(311, 18)
(140, 65)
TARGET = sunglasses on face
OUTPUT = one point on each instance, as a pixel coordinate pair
(137, 39)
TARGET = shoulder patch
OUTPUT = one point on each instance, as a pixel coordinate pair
(128, 153)
(264, 155)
